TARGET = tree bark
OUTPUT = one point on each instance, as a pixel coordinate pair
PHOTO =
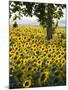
(49, 24)
(49, 33)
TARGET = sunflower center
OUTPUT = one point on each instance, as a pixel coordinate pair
(42, 77)
(38, 61)
(29, 68)
(27, 83)
(15, 57)
(37, 52)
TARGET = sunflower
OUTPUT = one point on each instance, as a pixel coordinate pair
(21, 62)
(12, 68)
(54, 46)
(62, 61)
(43, 49)
(47, 57)
(31, 58)
(27, 44)
(34, 45)
(49, 62)
(18, 62)
(40, 46)
(34, 69)
(61, 49)
(29, 68)
(44, 76)
(28, 58)
(49, 46)
(29, 39)
(15, 45)
(50, 49)
(17, 53)
(34, 63)
(44, 52)
(35, 49)
(62, 66)
(14, 57)
(39, 62)
(59, 74)
(59, 56)
(10, 55)
(27, 83)
(10, 48)
(23, 68)
(56, 61)
(24, 38)
(54, 55)
(31, 55)
(19, 74)
(19, 38)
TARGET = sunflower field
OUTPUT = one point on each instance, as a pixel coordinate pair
(34, 60)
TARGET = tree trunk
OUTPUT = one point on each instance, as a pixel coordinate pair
(49, 33)
(49, 28)
(49, 24)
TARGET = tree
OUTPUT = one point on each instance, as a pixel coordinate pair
(15, 7)
(46, 13)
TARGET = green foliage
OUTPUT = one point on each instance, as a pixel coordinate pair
(15, 8)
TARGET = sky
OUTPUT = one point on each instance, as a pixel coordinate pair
(62, 21)
(34, 20)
